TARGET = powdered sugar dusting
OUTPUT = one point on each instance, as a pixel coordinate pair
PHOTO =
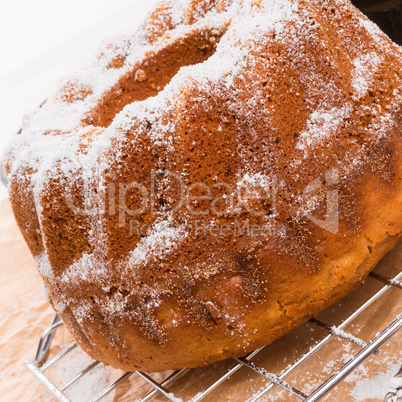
(365, 68)
(178, 11)
(345, 335)
(161, 240)
(323, 123)
(396, 283)
(93, 382)
(86, 269)
(377, 387)
(255, 180)
(395, 387)
(43, 265)
(373, 30)
(174, 398)
(58, 144)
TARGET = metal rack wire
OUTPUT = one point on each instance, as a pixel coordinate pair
(39, 366)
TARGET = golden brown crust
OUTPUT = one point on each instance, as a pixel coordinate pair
(316, 102)
(292, 295)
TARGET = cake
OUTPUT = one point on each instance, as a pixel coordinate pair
(215, 178)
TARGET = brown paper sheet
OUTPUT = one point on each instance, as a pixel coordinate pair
(25, 313)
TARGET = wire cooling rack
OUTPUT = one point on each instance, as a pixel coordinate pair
(40, 365)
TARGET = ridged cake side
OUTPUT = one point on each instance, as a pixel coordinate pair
(176, 194)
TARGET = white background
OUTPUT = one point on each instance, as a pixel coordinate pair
(30, 28)
(42, 40)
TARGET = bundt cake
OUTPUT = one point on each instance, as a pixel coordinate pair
(214, 179)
